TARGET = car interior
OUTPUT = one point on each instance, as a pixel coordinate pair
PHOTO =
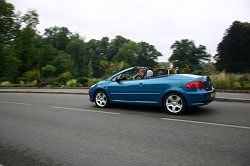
(147, 74)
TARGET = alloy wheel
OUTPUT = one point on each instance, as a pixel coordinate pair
(174, 104)
(101, 99)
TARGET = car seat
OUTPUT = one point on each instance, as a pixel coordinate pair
(149, 74)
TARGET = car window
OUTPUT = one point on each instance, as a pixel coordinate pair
(114, 79)
(128, 75)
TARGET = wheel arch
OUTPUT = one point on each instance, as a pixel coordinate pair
(173, 91)
(101, 89)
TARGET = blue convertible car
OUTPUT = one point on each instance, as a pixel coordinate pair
(143, 85)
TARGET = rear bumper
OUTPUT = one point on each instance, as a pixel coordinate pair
(200, 97)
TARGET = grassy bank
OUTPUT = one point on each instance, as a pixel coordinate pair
(231, 81)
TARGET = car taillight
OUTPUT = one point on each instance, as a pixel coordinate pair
(196, 84)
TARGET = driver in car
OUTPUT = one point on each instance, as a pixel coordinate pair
(140, 74)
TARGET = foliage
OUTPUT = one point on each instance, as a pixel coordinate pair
(57, 50)
(65, 77)
(71, 83)
(2, 79)
(29, 57)
(82, 80)
(7, 32)
(234, 50)
(48, 70)
(186, 53)
(137, 54)
(32, 75)
(32, 83)
(112, 67)
(230, 81)
(93, 81)
(5, 84)
(11, 67)
(185, 69)
(164, 65)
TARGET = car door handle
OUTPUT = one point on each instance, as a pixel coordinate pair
(140, 84)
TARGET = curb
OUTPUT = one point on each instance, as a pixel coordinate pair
(232, 91)
(232, 100)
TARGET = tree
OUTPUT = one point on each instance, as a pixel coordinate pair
(7, 22)
(11, 65)
(147, 54)
(48, 70)
(234, 49)
(111, 68)
(7, 34)
(185, 53)
(24, 42)
(128, 54)
(96, 51)
(58, 36)
(24, 52)
(77, 49)
(137, 54)
(62, 63)
(115, 45)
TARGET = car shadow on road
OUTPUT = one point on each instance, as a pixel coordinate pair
(199, 111)
(136, 108)
(158, 111)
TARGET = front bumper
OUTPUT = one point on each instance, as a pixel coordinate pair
(91, 95)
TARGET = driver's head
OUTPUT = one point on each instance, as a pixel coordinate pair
(142, 72)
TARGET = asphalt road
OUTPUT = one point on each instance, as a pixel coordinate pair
(56, 129)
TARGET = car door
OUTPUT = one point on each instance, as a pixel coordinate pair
(126, 90)
(154, 88)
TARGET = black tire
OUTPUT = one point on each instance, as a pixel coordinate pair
(174, 104)
(101, 99)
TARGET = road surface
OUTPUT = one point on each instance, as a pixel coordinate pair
(64, 129)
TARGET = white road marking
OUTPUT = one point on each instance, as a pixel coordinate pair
(207, 123)
(10, 102)
(78, 109)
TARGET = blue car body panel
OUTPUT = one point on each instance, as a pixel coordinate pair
(151, 91)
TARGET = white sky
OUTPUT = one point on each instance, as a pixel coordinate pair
(157, 22)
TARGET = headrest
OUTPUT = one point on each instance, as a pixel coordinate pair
(149, 73)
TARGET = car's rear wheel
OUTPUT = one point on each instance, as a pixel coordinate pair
(174, 103)
(101, 99)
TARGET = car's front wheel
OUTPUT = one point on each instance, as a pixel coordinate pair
(174, 103)
(101, 99)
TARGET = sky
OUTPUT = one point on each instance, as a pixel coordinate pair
(157, 22)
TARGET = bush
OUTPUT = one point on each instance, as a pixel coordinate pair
(236, 85)
(82, 80)
(71, 83)
(231, 81)
(32, 75)
(23, 79)
(22, 83)
(32, 84)
(65, 77)
(246, 85)
(48, 70)
(93, 81)
(5, 84)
